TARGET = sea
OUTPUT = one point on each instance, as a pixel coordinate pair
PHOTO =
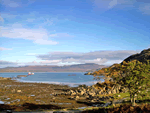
(73, 79)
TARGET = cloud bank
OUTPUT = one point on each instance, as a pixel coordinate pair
(109, 4)
(68, 58)
(145, 8)
(2, 48)
(7, 63)
(140, 5)
(10, 3)
(98, 57)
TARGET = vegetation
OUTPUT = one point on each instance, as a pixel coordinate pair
(133, 75)
(124, 108)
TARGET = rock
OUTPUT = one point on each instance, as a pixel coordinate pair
(19, 91)
(13, 90)
(108, 92)
(88, 73)
(117, 91)
(93, 94)
(94, 100)
(72, 98)
(77, 97)
(21, 76)
(114, 91)
(7, 78)
(72, 94)
(87, 97)
(104, 88)
(82, 92)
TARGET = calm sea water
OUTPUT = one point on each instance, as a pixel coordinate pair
(55, 78)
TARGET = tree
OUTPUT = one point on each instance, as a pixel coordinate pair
(133, 75)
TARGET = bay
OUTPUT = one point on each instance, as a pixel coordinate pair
(75, 78)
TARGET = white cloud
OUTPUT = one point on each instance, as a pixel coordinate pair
(8, 16)
(17, 3)
(45, 42)
(39, 36)
(69, 58)
(98, 57)
(48, 22)
(50, 61)
(105, 5)
(31, 54)
(142, 5)
(61, 35)
(13, 4)
(81, 61)
(145, 8)
(31, 1)
(30, 19)
(112, 3)
(53, 35)
(10, 3)
(2, 48)
(2, 62)
(1, 19)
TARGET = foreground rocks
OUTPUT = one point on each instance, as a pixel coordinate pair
(91, 95)
(92, 91)
(7, 78)
(19, 95)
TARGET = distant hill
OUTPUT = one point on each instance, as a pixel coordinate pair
(54, 68)
(142, 57)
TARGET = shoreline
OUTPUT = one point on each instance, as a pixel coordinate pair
(19, 96)
(39, 97)
(59, 83)
(88, 82)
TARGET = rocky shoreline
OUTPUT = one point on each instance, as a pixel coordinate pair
(19, 96)
(92, 95)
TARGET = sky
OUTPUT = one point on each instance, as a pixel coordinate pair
(66, 32)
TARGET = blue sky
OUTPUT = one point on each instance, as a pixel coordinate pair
(65, 32)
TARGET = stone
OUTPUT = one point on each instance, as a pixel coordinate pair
(72, 92)
(19, 91)
(77, 97)
(72, 98)
(13, 90)
(87, 97)
(109, 92)
(82, 92)
(114, 91)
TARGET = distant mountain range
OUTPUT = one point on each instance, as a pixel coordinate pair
(53, 68)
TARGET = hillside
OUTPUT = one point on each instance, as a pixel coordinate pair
(142, 57)
(54, 68)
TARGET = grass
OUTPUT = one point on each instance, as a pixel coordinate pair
(122, 95)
